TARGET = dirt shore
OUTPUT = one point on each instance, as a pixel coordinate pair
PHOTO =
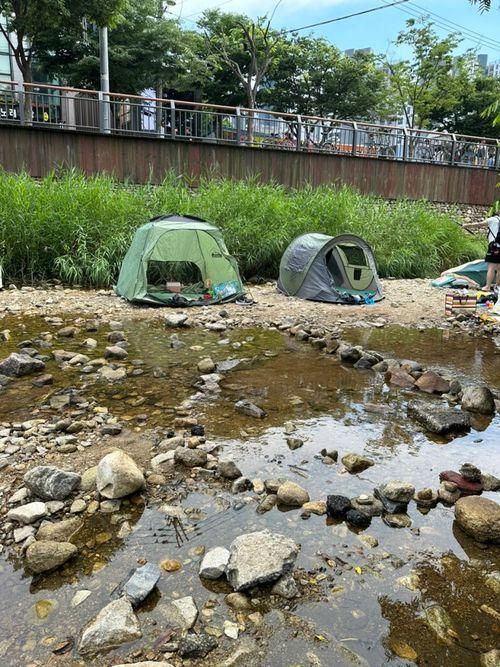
(407, 302)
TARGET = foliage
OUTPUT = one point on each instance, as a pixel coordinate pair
(246, 48)
(418, 83)
(77, 229)
(484, 5)
(30, 22)
(310, 76)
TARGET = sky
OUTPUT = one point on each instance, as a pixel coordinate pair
(376, 30)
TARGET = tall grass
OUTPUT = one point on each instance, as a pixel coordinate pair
(77, 229)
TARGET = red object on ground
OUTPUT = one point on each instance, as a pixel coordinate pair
(466, 487)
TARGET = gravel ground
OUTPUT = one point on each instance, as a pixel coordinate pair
(407, 302)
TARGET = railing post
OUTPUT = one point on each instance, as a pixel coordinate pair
(354, 137)
(20, 95)
(406, 144)
(238, 126)
(298, 141)
(453, 147)
(172, 118)
(497, 156)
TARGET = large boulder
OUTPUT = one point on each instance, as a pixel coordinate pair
(114, 625)
(50, 483)
(19, 364)
(479, 517)
(292, 494)
(478, 399)
(439, 420)
(260, 558)
(118, 475)
(47, 556)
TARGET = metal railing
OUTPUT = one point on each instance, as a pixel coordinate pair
(73, 109)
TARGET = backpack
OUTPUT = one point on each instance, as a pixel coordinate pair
(494, 246)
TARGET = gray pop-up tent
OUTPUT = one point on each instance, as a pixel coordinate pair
(325, 268)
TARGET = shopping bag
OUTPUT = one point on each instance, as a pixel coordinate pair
(459, 303)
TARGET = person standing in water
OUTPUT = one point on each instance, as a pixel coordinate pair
(493, 253)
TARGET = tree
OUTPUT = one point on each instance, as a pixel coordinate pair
(418, 83)
(29, 22)
(246, 48)
(310, 76)
(484, 5)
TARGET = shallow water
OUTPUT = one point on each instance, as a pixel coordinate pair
(350, 612)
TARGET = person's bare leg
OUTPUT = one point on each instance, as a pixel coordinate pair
(490, 277)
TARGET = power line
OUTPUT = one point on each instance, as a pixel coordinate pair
(478, 39)
(347, 16)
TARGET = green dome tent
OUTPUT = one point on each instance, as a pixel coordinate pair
(338, 269)
(178, 260)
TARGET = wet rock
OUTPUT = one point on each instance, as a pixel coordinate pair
(190, 458)
(111, 429)
(50, 483)
(432, 383)
(477, 399)
(448, 493)
(330, 453)
(67, 332)
(368, 540)
(315, 507)
(367, 504)
(228, 470)
(479, 517)
(470, 472)
(170, 444)
(490, 482)
(238, 601)
(141, 583)
(285, 587)
(258, 558)
(62, 531)
(258, 486)
(118, 476)
(147, 663)
(29, 513)
(272, 485)
(337, 507)
(439, 420)
(294, 443)
(426, 498)
(465, 486)
(18, 364)
(112, 374)
(79, 597)
(115, 337)
(43, 380)
(400, 492)
(398, 377)
(115, 352)
(397, 520)
(358, 519)
(241, 484)
(213, 565)
(46, 556)
(440, 623)
(206, 365)
(196, 646)
(491, 659)
(249, 409)
(356, 463)
(267, 503)
(388, 505)
(176, 320)
(292, 494)
(349, 354)
(114, 625)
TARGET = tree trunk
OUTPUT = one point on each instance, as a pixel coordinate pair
(251, 117)
(27, 98)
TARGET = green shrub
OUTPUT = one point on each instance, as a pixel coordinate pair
(77, 228)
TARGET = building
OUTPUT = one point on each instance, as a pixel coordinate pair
(493, 69)
(350, 53)
(5, 56)
(482, 59)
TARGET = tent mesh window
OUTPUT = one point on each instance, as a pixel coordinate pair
(186, 273)
(355, 255)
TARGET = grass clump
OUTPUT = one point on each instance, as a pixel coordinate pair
(77, 228)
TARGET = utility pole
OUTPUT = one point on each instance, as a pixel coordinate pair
(105, 111)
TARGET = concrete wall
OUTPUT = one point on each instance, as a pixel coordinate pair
(139, 159)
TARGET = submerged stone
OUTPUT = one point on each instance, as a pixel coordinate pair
(114, 625)
(141, 583)
(439, 420)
